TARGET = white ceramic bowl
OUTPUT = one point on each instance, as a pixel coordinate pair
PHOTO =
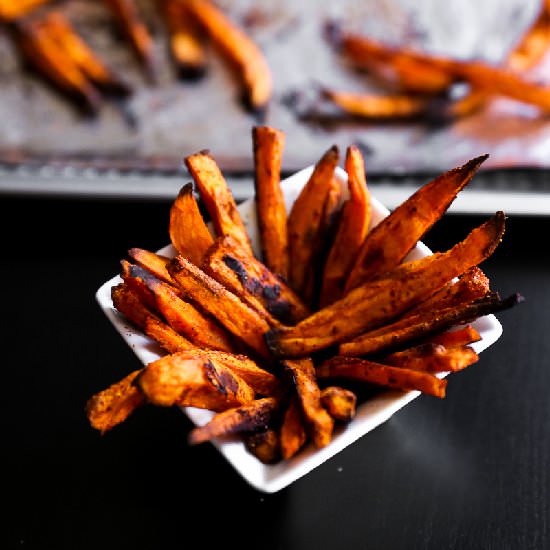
(271, 478)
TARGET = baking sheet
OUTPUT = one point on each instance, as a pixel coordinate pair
(162, 123)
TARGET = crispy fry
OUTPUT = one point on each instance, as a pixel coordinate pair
(189, 379)
(393, 238)
(339, 402)
(186, 43)
(352, 230)
(379, 302)
(454, 338)
(249, 279)
(433, 358)
(114, 405)
(378, 107)
(293, 434)
(392, 336)
(268, 144)
(264, 445)
(184, 318)
(133, 276)
(239, 50)
(261, 381)
(90, 64)
(228, 309)
(353, 368)
(131, 24)
(52, 61)
(306, 216)
(127, 301)
(245, 418)
(188, 231)
(217, 198)
(10, 10)
(153, 262)
(318, 422)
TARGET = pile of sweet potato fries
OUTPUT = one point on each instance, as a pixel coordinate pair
(420, 84)
(276, 344)
(49, 43)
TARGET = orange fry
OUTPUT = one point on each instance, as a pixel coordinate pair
(293, 433)
(217, 198)
(352, 230)
(454, 338)
(339, 402)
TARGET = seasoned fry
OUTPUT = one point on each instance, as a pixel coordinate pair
(454, 338)
(393, 238)
(245, 418)
(187, 378)
(186, 43)
(293, 434)
(319, 423)
(433, 358)
(373, 304)
(306, 216)
(264, 445)
(261, 381)
(217, 198)
(53, 62)
(268, 144)
(378, 107)
(392, 336)
(131, 24)
(10, 10)
(228, 309)
(59, 27)
(249, 279)
(188, 231)
(353, 368)
(114, 405)
(152, 262)
(352, 229)
(185, 319)
(128, 302)
(239, 50)
(133, 276)
(339, 402)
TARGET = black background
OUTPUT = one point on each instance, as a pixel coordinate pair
(469, 471)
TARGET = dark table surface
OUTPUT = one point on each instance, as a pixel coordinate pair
(470, 471)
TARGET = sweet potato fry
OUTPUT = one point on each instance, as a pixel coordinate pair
(293, 434)
(454, 338)
(339, 402)
(354, 368)
(241, 52)
(152, 262)
(264, 445)
(45, 54)
(228, 309)
(306, 216)
(379, 302)
(185, 319)
(248, 417)
(132, 26)
(268, 144)
(186, 43)
(432, 358)
(59, 27)
(378, 107)
(217, 198)
(393, 336)
(319, 423)
(188, 231)
(261, 381)
(127, 302)
(10, 10)
(133, 276)
(247, 277)
(114, 405)
(393, 238)
(352, 230)
(189, 379)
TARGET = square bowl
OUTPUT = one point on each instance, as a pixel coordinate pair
(370, 414)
